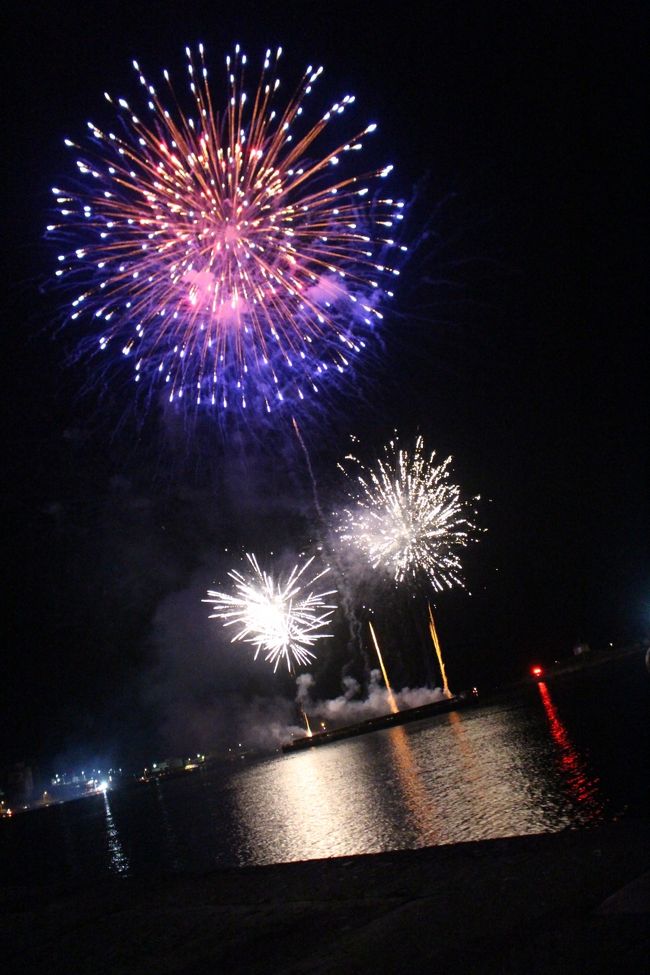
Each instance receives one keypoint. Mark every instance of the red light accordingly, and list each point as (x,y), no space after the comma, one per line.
(536,671)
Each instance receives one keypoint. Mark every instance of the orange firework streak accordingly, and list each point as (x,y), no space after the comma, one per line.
(391,696)
(309,731)
(436,643)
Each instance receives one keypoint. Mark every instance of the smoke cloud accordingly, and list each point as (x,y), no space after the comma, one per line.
(348,708)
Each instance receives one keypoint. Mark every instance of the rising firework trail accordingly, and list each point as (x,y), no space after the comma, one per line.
(391,696)
(232,253)
(436,643)
(281,617)
(405,517)
(307,725)
(310,469)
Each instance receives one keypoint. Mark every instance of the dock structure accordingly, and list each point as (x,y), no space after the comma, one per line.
(454,703)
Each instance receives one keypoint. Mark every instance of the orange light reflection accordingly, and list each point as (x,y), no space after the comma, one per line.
(415,794)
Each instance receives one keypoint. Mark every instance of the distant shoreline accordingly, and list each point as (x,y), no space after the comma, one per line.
(569,666)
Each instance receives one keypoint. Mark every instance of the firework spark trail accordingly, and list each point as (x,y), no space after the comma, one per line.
(310,469)
(275,615)
(406,517)
(307,725)
(436,643)
(222,252)
(355,643)
(391,697)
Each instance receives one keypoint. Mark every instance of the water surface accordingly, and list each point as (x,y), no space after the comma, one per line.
(569,753)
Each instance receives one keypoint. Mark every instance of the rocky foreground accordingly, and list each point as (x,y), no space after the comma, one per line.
(561,903)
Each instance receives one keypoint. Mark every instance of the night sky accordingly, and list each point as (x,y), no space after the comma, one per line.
(516,343)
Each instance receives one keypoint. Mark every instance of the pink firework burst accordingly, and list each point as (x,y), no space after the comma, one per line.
(232,255)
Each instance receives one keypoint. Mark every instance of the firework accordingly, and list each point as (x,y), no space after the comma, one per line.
(233,256)
(406,517)
(391,697)
(436,645)
(280,616)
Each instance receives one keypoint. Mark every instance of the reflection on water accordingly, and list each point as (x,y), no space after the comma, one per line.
(584,789)
(118,861)
(308,801)
(543,761)
(463,776)
(416,798)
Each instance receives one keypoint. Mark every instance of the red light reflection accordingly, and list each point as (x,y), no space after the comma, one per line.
(582,789)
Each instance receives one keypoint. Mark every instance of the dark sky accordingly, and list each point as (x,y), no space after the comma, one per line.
(518,344)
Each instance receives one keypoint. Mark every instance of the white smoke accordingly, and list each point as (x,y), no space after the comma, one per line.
(265,724)
(347,708)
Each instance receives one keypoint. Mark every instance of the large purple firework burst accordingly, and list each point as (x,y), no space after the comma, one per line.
(233,256)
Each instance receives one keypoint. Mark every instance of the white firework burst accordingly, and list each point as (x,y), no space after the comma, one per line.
(281,617)
(406,517)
